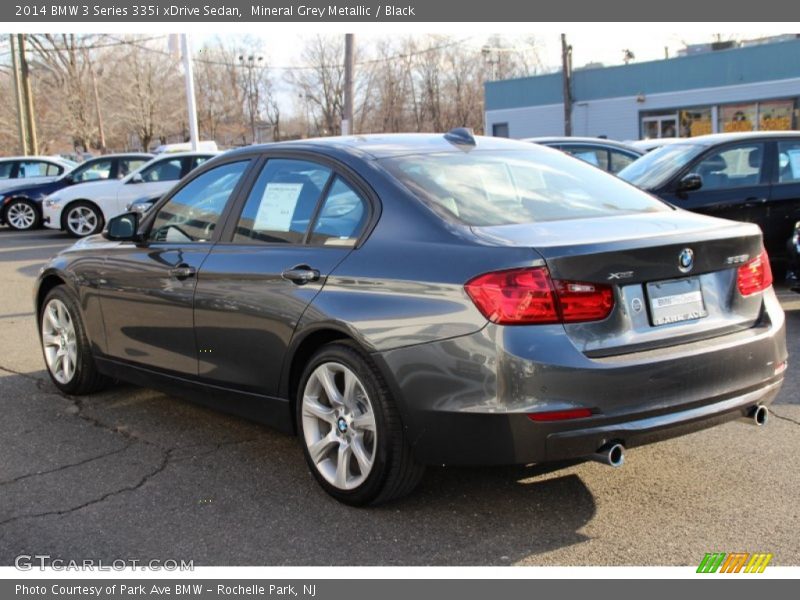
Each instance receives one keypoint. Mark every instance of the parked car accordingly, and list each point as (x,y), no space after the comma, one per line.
(752,177)
(21,206)
(606,154)
(83,210)
(18,170)
(651,144)
(403,300)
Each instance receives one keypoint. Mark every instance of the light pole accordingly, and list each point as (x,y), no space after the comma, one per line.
(250,64)
(191,101)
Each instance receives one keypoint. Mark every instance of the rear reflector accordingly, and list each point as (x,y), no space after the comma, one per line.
(755,275)
(528,296)
(560,415)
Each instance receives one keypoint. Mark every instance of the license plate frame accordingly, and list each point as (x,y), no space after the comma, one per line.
(675,301)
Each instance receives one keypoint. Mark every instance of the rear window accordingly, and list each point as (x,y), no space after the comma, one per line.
(503,188)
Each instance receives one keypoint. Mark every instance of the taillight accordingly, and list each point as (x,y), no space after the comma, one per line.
(755,275)
(529,295)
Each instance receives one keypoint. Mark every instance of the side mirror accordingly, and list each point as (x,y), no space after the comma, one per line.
(137,178)
(690,182)
(123,228)
(69,178)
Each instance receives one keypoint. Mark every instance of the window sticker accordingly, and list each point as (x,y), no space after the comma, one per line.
(794,160)
(277,207)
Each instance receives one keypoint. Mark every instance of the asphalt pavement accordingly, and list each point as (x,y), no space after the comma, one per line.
(132,473)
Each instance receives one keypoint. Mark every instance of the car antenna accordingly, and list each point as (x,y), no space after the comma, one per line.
(461,136)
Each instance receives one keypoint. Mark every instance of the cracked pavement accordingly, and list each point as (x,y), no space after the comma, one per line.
(132,473)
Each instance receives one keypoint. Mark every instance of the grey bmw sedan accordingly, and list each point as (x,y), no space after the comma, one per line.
(408,300)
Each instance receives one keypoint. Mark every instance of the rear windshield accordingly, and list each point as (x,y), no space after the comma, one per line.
(506,187)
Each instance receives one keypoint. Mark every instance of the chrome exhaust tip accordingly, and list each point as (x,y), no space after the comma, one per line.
(612,455)
(758,415)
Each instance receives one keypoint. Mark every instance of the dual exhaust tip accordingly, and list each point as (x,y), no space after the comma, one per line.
(613,454)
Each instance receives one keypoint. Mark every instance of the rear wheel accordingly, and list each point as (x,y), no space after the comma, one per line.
(82,219)
(352,436)
(65,346)
(22,215)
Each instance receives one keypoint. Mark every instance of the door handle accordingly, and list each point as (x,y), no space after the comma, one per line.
(182,272)
(753,202)
(301,274)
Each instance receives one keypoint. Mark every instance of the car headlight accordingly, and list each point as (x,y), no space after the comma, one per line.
(51,201)
(140,207)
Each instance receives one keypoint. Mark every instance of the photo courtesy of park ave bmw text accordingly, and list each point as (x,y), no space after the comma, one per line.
(313,299)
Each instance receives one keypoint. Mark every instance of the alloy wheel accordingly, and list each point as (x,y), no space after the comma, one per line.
(339,425)
(58,340)
(21,215)
(81,220)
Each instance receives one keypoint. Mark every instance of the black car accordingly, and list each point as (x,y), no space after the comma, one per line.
(409,300)
(752,177)
(21,206)
(606,154)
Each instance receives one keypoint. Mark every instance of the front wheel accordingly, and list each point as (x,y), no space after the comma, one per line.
(22,215)
(352,436)
(82,219)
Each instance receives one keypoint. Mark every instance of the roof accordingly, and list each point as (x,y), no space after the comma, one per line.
(51,159)
(737,66)
(553,140)
(385,145)
(721,138)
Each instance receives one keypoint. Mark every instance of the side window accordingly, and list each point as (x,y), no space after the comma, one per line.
(789,162)
(619,160)
(92,172)
(52,170)
(5,169)
(594,156)
(197,161)
(733,167)
(282,202)
(163,170)
(191,215)
(341,217)
(126,166)
(31,168)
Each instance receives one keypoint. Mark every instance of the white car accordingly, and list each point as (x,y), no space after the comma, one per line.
(18,170)
(84,209)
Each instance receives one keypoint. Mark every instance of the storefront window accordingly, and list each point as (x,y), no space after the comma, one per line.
(775,115)
(737,117)
(695,121)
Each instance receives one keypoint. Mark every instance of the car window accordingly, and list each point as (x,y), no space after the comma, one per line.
(163,170)
(52,170)
(594,156)
(789,162)
(282,202)
(659,166)
(483,188)
(732,167)
(126,166)
(5,169)
(198,160)
(94,171)
(620,160)
(32,168)
(341,217)
(192,214)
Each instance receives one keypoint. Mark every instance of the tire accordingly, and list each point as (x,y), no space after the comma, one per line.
(82,218)
(61,332)
(22,215)
(382,456)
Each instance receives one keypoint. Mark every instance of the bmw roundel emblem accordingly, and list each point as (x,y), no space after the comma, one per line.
(686,260)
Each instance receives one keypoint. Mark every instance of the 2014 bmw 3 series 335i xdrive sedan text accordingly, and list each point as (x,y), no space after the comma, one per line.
(409,300)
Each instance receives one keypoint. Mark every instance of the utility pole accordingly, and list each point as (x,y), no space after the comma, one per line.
(100,129)
(347,119)
(566,70)
(22,125)
(27,97)
(191,101)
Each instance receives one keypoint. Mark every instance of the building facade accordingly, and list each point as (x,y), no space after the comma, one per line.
(740,89)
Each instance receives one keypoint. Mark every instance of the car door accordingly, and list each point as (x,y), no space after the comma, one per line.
(157,178)
(735,183)
(784,200)
(255,285)
(147,288)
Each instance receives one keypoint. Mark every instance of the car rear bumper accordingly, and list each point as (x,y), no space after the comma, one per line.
(466,400)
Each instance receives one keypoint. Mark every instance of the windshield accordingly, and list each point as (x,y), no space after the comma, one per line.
(655,168)
(506,187)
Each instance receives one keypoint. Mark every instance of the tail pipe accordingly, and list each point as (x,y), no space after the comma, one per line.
(757,415)
(612,455)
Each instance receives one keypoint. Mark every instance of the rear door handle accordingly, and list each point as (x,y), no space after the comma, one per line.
(301,274)
(753,202)
(182,272)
